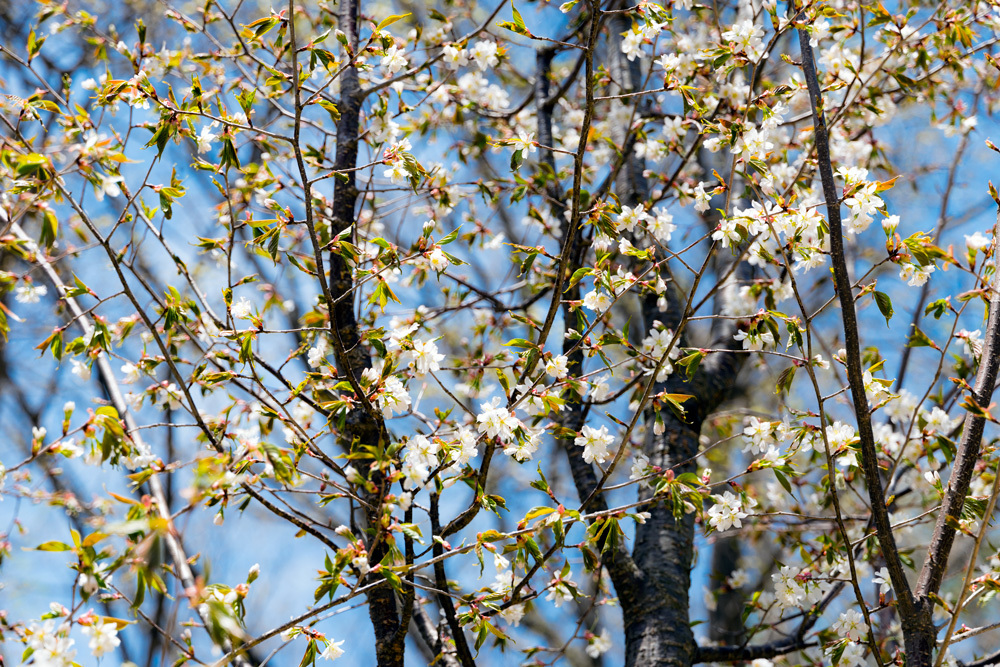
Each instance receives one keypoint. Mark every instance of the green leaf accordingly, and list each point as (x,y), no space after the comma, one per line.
(449,238)
(245,98)
(785,380)
(389,20)
(260,27)
(838,652)
(108,411)
(536,512)
(674,403)
(412,530)
(884,305)
(579,275)
(606,534)
(783,481)
(331,109)
(516,160)
(517,25)
(50,228)
(691,362)
(938,308)
(504,382)
(919,339)
(510,25)
(79,288)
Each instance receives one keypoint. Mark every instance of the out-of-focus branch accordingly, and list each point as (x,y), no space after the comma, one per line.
(918,310)
(429,640)
(989,661)
(181,566)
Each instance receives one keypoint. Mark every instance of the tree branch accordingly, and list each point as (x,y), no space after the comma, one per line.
(748,653)
(842,282)
(967,453)
(462,651)
(988,661)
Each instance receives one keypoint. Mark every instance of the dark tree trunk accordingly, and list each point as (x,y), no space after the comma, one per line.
(657,629)
(364,425)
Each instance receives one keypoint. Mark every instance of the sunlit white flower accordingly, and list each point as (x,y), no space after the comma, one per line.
(595,443)
(455,56)
(80,370)
(484,52)
(522,449)
(853,655)
(727,512)
(393,60)
(599,645)
(50,648)
(467,446)
(788,592)
(561,589)
(333,650)
(206,137)
(524,142)
(107,186)
(438,260)
(915,276)
(361,563)
(820,31)
(241,309)
(393,397)
(702,198)
(746,37)
(423,357)
(599,389)
(632,44)
(497,421)
(755,339)
(318,352)
(753,145)
(29,292)
(397,173)
(103,637)
(131,372)
(639,467)
(513,614)
(738,579)
(728,232)
(759,434)
(851,624)
(884,582)
(972,342)
(557,367)
(863,204)
(661,226)
(631,216)
(977,241)
(597,300)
